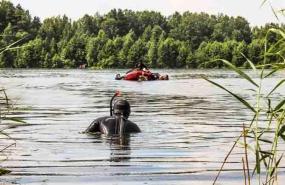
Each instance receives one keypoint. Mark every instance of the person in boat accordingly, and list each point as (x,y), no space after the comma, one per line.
(141,66)
(117,123)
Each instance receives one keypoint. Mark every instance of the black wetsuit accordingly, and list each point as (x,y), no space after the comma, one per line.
(110,125)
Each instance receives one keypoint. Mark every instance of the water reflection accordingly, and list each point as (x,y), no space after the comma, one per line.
(120,149)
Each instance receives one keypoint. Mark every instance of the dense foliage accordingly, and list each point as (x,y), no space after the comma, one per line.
(122,38)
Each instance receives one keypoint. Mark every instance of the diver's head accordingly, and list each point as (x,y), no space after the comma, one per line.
(122,107)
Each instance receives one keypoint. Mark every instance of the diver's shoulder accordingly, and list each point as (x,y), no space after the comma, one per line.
(133,127)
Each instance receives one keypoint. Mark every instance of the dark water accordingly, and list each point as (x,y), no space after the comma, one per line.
(187,126)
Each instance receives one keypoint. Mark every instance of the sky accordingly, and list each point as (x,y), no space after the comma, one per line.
(74,9)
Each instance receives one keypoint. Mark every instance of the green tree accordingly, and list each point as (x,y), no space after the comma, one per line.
(174,24)
(183,52)
(30,56)
(157,34)
(55,27)
(152,55)
(93,47)
(256,51)
(57,61)
(75,51)
(242,30)
(241,49)
(129,41)
(150,18)
(147,34)
(194,28)
(137,53)
(105,54)
(168,53)
(87,25)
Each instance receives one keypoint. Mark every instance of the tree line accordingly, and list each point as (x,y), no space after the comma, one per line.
(121,38)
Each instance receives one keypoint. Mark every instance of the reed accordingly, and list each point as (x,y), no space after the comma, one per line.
(267,128)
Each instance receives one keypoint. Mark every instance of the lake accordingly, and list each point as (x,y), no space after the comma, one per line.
(188,126)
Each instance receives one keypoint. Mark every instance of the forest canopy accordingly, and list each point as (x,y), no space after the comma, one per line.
(121,38)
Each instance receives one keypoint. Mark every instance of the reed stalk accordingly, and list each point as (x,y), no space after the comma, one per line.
(246,155)
(275,116)
(244,171)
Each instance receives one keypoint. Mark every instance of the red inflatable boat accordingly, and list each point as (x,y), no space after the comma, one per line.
(140,75)
(134,75)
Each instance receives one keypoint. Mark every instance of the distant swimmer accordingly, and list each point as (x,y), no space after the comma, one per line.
(117,123)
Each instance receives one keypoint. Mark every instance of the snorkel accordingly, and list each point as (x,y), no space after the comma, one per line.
(119,115)
(117,93)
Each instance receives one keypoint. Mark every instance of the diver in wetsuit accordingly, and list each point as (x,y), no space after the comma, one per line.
(117,123)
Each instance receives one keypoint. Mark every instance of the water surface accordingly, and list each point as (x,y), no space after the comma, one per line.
(187,124)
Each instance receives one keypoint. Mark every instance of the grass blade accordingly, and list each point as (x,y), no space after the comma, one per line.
(264,140)
(281,131)
(5,97)
(263,2)
(4,171)
(271,73)
(276,166)
(250,63)
(274,12)
(7,147)
(15,120)
(265,152)
(245,151)
(237,70)
(283,137)
(277,31)
(279,105)
(14,43)
(226,158)
(257,158)
(263,159)
(280,83)
(272,49)
(244,172)
(234,95)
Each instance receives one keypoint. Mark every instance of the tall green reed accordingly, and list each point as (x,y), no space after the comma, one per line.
(267,128)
